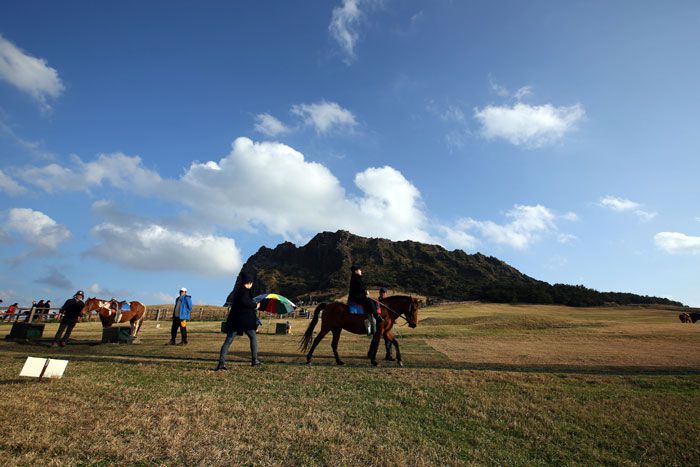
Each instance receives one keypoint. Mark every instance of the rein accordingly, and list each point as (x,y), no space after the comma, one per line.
(399,315)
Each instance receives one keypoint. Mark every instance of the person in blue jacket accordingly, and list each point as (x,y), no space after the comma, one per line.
(181,313)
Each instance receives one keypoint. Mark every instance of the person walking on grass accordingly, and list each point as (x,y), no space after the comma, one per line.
(71,311)
(181,313)
(242,318)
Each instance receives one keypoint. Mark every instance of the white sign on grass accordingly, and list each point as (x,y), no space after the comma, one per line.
(43,368)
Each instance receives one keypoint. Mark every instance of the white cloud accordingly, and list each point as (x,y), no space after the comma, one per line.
(9,186)
(677,243)
(523,92)
(96,290)
(566,238)
(345,22)
(298,195)
(36,228)
(35,148)
(456,238)
(527,125)
(325,116)
(162,297)
(120,170)
(271,185)
(155,248)
(29,74)
(623,205)
(645,215)
(502,91)
(527,225)
(618,204)
(269,125)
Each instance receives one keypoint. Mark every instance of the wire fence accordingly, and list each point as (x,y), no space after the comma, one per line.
(208,313)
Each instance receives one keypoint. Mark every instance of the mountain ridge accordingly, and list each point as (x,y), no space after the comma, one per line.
(321,269)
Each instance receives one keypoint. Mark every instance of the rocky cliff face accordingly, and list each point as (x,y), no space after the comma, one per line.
(322,266)
(321,269)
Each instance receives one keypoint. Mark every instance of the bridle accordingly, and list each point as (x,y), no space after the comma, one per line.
(399,315)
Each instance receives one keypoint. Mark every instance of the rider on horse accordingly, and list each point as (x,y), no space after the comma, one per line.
(358,293)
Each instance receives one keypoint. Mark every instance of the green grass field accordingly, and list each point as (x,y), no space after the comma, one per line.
(483,384)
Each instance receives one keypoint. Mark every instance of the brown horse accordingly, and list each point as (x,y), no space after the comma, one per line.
(337,317)
(109,316)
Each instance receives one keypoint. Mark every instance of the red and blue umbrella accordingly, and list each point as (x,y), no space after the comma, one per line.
(275,304)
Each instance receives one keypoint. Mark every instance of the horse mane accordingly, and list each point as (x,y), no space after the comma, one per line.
(399,297)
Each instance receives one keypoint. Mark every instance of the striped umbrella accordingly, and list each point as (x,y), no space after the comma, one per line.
(275,304)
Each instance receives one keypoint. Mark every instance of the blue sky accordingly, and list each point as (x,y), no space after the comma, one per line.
(146,146)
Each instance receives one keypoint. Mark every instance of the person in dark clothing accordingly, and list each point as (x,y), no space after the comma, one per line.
(358,293)
(71,310)
(39,310)
(242,318)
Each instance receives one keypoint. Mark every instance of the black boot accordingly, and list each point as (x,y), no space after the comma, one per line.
(256,362)
(220,367)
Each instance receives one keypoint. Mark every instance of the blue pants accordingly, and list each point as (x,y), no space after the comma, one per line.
(229,339)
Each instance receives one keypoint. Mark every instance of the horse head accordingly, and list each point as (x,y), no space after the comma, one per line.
(96,304)
(412,313)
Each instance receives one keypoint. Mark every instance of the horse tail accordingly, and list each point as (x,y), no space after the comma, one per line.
(308,336)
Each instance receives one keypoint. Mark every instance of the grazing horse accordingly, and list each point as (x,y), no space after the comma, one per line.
(337,317)
(684,317)
(109,316)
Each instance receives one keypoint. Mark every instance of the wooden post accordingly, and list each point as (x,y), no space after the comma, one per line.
(158,318)
(31,313)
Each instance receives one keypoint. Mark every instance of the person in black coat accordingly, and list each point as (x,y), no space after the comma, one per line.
(358,293)
(71,310)
(242,319)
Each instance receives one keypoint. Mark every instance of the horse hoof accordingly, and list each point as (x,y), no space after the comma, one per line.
(308,361)
(389,358)
(340,362)
(374,363)
(400,363)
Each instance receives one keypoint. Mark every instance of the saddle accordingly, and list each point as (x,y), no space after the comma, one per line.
(121,306)
(356,309)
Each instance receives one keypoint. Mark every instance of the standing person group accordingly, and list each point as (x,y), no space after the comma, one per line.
(71,312)
(181,313)
(242,319)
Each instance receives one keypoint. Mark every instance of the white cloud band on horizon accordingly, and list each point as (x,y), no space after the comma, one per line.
(297,198)
(29,74)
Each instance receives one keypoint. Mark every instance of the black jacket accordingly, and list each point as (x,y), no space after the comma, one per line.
(242,316)
(71,309)
(358,291)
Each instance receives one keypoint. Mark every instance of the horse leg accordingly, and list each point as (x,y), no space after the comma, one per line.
(334,345)
(318,339)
